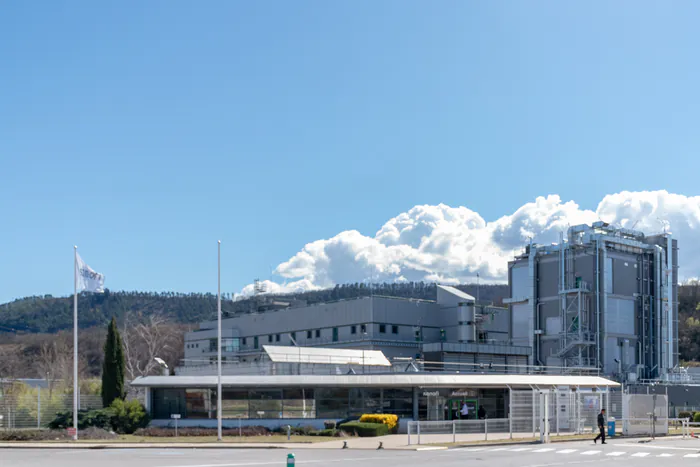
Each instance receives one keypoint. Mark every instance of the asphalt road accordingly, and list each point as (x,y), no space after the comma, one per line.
(620,453)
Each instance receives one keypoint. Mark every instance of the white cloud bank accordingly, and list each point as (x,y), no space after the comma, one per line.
(452,244)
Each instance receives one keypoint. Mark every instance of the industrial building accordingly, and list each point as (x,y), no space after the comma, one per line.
(451,329)
(601,301)
(604,297)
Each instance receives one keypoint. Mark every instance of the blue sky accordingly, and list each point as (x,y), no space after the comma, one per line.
(144,132)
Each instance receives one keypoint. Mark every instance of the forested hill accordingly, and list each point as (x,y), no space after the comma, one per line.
(49,314)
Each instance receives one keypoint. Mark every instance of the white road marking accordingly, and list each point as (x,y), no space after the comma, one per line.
(245,464)
(567,451)
(692,455)
(499,449)
(520,449)
(640,454)
(651,446)
(665,454)
(543,450)
(590,453)
(616,453)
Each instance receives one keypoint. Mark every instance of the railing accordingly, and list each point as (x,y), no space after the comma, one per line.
(442,432)
(399,365)
(477,429)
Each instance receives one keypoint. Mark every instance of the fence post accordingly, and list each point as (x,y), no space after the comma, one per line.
(419,433)
(486,429)
(38,407)
(533,413)
(454,431)
(409,433)
(510,412)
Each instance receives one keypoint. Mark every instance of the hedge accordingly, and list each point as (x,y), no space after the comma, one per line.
(696,417)
(124,417)
(389,420)
(365,430)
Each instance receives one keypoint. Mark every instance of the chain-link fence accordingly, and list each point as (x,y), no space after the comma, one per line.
(24,408)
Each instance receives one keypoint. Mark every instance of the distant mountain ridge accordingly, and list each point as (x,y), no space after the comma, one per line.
(50,314)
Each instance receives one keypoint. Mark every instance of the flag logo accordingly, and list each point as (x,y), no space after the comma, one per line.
(88,279)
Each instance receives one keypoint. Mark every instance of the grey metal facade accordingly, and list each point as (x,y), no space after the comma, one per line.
(398,327)
(603,298)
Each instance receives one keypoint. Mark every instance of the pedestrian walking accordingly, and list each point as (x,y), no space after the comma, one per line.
(601,426)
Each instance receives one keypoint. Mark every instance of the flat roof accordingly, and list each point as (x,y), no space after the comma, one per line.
(324,355)
(428,380)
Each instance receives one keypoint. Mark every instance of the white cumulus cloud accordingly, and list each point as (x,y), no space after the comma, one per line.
(452,244)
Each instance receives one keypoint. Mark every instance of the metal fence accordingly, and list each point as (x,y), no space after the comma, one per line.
(36,407)
(570,412)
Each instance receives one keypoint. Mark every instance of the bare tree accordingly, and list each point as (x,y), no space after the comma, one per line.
(146,338)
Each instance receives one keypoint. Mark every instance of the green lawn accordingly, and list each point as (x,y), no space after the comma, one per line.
(273,439)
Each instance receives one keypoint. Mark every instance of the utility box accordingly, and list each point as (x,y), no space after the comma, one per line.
(611,427)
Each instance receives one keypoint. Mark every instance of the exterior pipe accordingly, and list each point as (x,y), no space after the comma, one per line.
(532,294)
(538,338)
(670,314)
(655,340)
(598,303)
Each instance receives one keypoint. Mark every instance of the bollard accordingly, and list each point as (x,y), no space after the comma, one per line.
(290,460)
(289,432)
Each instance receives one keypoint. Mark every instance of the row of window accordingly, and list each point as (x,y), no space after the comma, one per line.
(231,345)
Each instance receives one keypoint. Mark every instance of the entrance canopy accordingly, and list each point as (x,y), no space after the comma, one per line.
(401,380)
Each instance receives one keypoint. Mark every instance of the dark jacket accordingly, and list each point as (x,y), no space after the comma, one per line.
(601,420)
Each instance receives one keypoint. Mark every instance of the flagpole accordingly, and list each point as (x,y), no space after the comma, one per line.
(218,314)
(75,342)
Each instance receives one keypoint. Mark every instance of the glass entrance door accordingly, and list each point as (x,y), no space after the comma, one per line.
(455,408)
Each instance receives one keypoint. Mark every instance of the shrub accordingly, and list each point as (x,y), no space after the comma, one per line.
(696,417)
(86,418)
(685,414)
(128,416)
(387,419)
(365,430)
(329,424)
(163,432)
(34,435)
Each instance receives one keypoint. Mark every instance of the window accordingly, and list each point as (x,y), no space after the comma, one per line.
(244,342)
(230,345)
(277,338)
(382,328)
(308,334)
(212,345)
(394,329)
(318,333)
(255,342)
(197,345)
(269,338)
(335,334)
(353,330)
(363,328)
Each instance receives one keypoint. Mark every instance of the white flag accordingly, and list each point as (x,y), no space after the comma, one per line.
(87,278)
